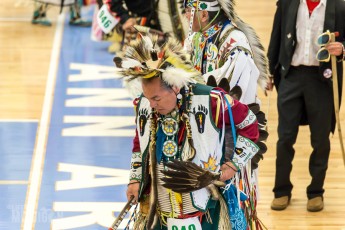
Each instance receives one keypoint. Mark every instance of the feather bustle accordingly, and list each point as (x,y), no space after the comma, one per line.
(259,54)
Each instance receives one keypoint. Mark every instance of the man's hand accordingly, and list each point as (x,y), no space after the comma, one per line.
(228,171)
(133,190)
(128,25)
(270,84)
(335,48)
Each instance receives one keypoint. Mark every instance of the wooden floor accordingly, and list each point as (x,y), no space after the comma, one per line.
(24,64)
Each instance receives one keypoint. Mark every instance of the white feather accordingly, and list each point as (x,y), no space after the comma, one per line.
(168,21)
(259,54)
(164,16)
(147,43)
(118,73)
(129,63)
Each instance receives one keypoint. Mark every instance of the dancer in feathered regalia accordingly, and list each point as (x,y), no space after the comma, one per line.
(182,164)
(41,6)
(163,17)
(228,53)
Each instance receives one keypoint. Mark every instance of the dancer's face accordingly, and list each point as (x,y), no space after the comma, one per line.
(200,19)
(162,98)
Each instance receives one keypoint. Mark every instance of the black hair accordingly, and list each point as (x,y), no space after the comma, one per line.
(221,16)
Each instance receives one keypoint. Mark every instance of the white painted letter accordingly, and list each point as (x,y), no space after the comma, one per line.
(83,176)
(99,97)
(92,72)
(100,126)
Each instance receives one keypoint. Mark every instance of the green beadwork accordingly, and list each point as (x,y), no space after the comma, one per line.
(203,6)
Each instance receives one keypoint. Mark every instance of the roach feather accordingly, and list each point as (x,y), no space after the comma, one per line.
(254,107)
(211,81)
(224,84)
(236,92)
(262,146)
(263,135)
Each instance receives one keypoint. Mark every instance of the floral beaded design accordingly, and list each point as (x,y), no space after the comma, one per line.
(169,148)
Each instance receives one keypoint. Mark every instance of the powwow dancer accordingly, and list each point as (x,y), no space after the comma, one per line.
(181,158)
(41,6)
(162,17)
(228,53)
(225,47)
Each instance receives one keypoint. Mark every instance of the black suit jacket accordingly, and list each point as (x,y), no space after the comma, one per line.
(283,38)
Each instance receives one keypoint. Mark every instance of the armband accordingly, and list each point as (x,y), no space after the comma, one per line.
(136,166)
(245,149)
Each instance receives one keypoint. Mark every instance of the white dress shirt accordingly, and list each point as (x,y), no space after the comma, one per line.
(308,28)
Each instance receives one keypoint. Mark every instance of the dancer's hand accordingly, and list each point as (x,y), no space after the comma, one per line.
(128,25)
(228,171)
(133,190)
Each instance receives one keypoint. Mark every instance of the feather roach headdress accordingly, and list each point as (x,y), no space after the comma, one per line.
(144,59)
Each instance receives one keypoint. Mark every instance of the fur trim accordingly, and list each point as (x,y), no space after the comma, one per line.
(224,219)
(134,87)
(140,221)
(177,77)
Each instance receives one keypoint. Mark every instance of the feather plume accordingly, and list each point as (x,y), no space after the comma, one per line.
(259,54)
(140,221)
(131,63)
(148,43)
(224,220)
(171,18)
(228,7)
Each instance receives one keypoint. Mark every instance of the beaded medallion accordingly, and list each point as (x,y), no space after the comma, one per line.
(169,148)
(169,126)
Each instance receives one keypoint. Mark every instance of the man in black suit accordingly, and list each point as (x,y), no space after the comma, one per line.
(304,89)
